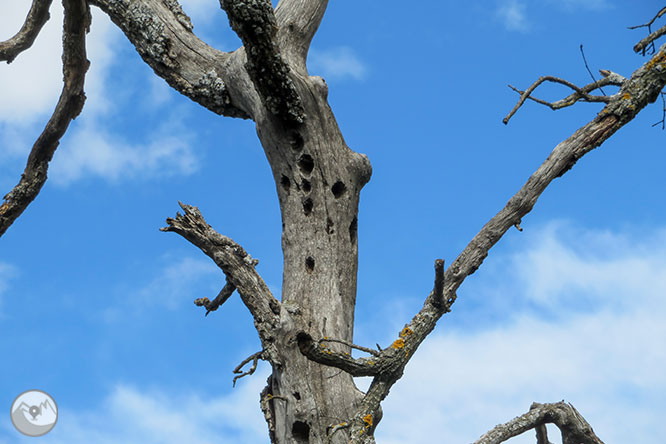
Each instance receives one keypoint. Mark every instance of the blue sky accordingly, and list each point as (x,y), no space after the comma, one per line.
(96,303)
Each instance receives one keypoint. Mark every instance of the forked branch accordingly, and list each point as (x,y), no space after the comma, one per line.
(574,428)
(34,22)
(648,42)
(239,268)
(610,78)
(75,64)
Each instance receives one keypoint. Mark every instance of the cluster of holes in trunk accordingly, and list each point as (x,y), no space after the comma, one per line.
(307,206)
(309,264)
(306,164)
(300,430)
(338,189)
(353,228)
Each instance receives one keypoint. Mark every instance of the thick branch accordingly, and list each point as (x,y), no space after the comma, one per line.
(574,428)
(162,35)
(298,21)
(238,266)
(34,22)
(255,24)
(70,104)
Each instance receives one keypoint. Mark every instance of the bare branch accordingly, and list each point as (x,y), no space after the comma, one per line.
(255,24)
(647,41)
(255,359)
(648,24)
(580,93)
(350,345)
(34,22)
(238,266)
(323,355)
(221,298)
(162,34)
(587,67)
(298,21)
(646,46)
(70,104)
(574,428)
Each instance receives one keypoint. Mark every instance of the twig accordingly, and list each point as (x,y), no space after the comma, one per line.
(335,428)
(349,344)
(646,46)
(588,68)
(221,298)
(255,359)
(580,93)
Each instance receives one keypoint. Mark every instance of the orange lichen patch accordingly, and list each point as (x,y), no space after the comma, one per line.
(406,332)
(626,96)
(371,362)
(399,343)
(4,207)
(367,419)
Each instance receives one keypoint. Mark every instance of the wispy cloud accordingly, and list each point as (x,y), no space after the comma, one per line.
(130,414)
(513,14)
(336,63)
(595,339)
(95,151)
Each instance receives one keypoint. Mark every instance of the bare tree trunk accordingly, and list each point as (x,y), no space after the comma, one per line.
(318,181)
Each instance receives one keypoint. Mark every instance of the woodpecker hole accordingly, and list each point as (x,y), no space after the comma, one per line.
(286,183)
(338,189)
(306,185)
(300,430)
(309,264)
(353,228)
(329,226)
(296,141)
(306,164)
(297,396)
(307,206)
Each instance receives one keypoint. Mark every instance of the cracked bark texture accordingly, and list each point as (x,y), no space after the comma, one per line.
(307,335)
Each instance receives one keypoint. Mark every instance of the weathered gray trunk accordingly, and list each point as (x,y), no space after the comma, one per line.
(318,180)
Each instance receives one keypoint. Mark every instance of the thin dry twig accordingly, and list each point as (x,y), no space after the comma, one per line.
(221,298)
(255,359)
(349,344)
(582,53)
(579,93)
(646,46)
(34,22)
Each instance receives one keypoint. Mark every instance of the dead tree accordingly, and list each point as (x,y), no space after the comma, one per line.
(307,335)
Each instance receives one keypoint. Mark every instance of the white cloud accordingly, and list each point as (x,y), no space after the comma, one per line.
(90,147)
(605,354)
(336,63)
(93,151)
(512,13)
(32,82)
(137,415)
